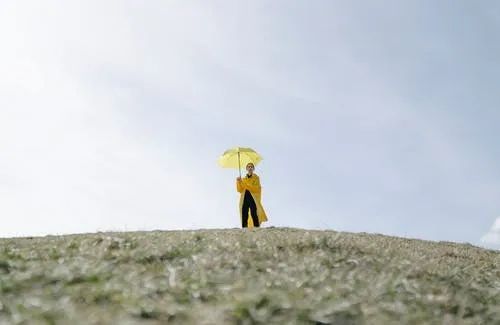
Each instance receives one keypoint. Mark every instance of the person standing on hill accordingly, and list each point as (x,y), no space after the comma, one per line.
(250,199)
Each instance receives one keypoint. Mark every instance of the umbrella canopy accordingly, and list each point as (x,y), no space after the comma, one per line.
(239,156)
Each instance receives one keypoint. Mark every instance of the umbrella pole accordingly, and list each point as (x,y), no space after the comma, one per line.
(239,163)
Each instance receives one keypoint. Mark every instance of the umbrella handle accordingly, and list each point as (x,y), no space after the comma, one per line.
(239,163)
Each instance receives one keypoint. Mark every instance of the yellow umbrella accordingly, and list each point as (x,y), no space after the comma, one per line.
(238,156)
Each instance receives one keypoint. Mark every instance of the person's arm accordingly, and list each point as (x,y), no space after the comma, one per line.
(239,185)
(254,188)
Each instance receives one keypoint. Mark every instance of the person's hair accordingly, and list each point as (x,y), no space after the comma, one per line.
(250,164)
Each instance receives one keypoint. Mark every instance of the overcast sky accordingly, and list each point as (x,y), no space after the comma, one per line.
(370,117)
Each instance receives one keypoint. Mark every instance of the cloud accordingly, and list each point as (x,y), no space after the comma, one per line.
(71,163)
(492,237)
(75,158)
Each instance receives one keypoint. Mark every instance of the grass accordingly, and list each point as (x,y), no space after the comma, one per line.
(261,276)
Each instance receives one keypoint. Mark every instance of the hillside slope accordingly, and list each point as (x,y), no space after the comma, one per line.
(268,275)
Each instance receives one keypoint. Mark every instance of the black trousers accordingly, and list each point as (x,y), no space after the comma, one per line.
(249,204)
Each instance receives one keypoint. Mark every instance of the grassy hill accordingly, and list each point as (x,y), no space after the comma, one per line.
(268,275)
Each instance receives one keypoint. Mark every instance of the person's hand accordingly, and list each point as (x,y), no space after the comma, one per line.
(238,179)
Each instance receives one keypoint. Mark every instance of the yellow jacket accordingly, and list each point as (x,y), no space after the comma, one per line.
(253,186)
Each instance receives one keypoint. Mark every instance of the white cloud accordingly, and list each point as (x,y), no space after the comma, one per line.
(72,157)
(70,164)
(492,237)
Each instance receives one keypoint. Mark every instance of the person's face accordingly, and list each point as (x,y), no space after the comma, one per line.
(250,169)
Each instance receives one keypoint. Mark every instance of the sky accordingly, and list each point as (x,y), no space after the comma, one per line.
(371,117)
